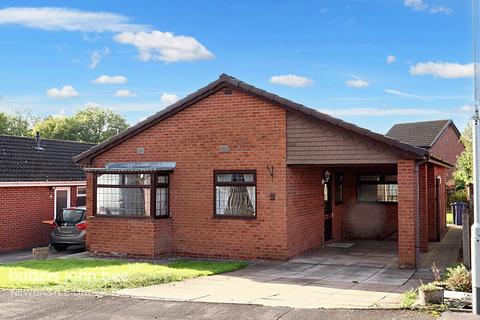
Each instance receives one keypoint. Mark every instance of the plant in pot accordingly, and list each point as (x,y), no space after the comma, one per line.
(437,277)
(430,293)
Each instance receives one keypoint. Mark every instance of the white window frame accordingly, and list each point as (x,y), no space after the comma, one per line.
(55,199)
(82,195)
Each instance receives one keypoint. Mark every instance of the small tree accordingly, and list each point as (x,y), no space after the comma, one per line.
(464,167)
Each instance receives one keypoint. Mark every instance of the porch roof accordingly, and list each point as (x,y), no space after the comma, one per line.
(124,167)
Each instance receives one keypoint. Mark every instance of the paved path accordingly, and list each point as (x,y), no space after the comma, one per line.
(21,255)
(90,307)
(363,276)
(444,253)
(291,284)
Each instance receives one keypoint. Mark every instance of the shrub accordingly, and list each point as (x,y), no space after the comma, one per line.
(458,195)
(458,278)
(429,287)
(408,299)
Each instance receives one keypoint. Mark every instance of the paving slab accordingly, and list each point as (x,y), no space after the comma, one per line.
(363,276)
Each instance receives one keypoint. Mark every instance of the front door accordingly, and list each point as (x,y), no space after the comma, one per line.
(327,206)
(62,199)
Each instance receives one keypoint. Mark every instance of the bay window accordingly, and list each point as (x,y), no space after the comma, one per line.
(235,194)
(132,194)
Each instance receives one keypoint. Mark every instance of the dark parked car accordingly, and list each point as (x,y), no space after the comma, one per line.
(69,228)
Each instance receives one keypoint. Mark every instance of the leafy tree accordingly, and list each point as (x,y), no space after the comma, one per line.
(92,124)
(97,124)
(464,167)
(17,124)
(56,127)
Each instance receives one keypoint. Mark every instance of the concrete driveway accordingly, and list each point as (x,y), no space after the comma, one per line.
(23,255)
(363,276)
(74,306)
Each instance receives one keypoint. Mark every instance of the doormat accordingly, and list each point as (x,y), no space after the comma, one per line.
(344,245)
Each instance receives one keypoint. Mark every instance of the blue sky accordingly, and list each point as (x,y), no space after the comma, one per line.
(370,62)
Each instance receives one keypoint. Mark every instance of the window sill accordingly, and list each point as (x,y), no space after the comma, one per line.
(112,216)
(215,216)
(379,202)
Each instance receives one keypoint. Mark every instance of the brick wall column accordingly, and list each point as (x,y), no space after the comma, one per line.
(423,184)
(406,213)
(431,205)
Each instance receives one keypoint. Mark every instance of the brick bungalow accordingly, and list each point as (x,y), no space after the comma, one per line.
(37,179)
(440,137)
(234,171)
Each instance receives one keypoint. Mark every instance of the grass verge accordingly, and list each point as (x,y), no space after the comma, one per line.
(102,275)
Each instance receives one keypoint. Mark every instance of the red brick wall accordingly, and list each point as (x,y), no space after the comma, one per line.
(254,130)
(406,213)
(355,220)
(22,210)
(73,196)
(129,236)
(423,206)
(442,197)
(448,147)
(305,212)
(436,229)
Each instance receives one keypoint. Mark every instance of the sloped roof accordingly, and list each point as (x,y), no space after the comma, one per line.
(228,81)
(21,161)
(421,134)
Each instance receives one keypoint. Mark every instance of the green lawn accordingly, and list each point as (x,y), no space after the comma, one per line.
(97,275)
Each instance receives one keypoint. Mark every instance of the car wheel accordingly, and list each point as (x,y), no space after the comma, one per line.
(60,247)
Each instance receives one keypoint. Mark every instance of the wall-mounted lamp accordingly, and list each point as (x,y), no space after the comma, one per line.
(326,177)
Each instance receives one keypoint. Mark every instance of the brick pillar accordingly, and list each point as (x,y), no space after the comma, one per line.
(89,204)
(406,213)
(432,217)
(423,184)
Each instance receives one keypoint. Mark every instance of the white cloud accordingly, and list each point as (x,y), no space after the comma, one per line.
(124,94)
(97,56)
(417,5)
(50,18)
(64,92)
(103,79)
(404,94)
(441,9)
(151,44)
(357,83)
(169,98)
(379,112)
(165,46)
(468,108)
(391,59)
(292,80)
(420,5)
(443,69)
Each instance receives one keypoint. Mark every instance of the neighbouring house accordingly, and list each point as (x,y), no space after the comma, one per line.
(237,172)
(440,137)
(38,177)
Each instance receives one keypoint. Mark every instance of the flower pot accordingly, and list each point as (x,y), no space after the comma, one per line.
(40,253)
(430,296)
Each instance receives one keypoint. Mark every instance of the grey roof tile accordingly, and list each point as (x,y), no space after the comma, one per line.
(421,134)
(20,161)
